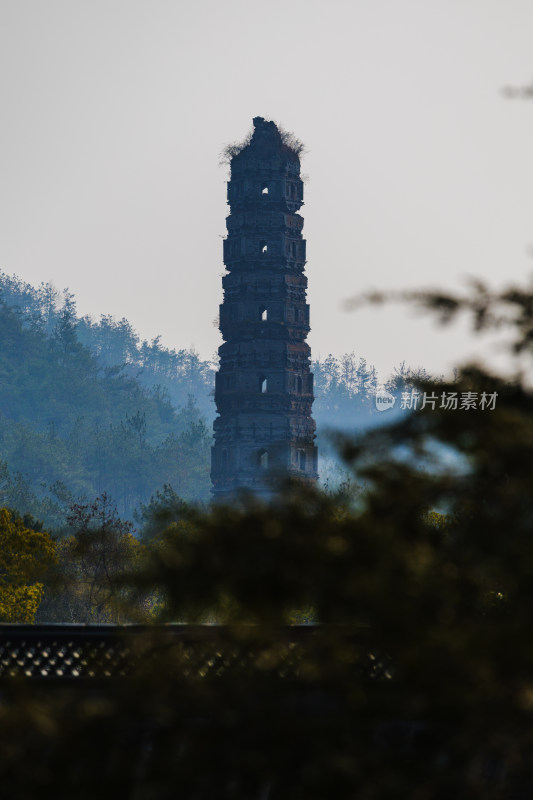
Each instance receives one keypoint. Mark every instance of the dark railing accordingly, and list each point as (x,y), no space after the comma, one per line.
(64,651)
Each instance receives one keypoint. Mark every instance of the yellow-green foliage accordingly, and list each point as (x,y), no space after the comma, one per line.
(25,555)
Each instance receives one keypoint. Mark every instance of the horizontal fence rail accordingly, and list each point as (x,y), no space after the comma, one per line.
(68,652)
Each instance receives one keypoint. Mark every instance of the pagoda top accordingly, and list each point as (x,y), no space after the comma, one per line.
(268,140)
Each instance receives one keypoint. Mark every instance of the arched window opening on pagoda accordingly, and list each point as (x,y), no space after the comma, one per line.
(301,459)
(298,384)
(264,247)
(262,458)
(264,313)
(263,384)
(264,189)
(296,314)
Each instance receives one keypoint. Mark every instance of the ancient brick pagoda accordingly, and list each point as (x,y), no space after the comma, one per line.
(264,387)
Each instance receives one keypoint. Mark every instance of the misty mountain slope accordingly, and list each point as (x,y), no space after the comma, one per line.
(115,343)
(67,422)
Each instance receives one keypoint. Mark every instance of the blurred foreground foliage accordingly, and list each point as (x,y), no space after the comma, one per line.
(417,680)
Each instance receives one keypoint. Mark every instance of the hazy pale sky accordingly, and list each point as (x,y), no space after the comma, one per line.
(114,112)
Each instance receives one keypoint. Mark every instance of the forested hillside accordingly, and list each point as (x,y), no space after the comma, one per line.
(114,343)
(88,407)
(72,425)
